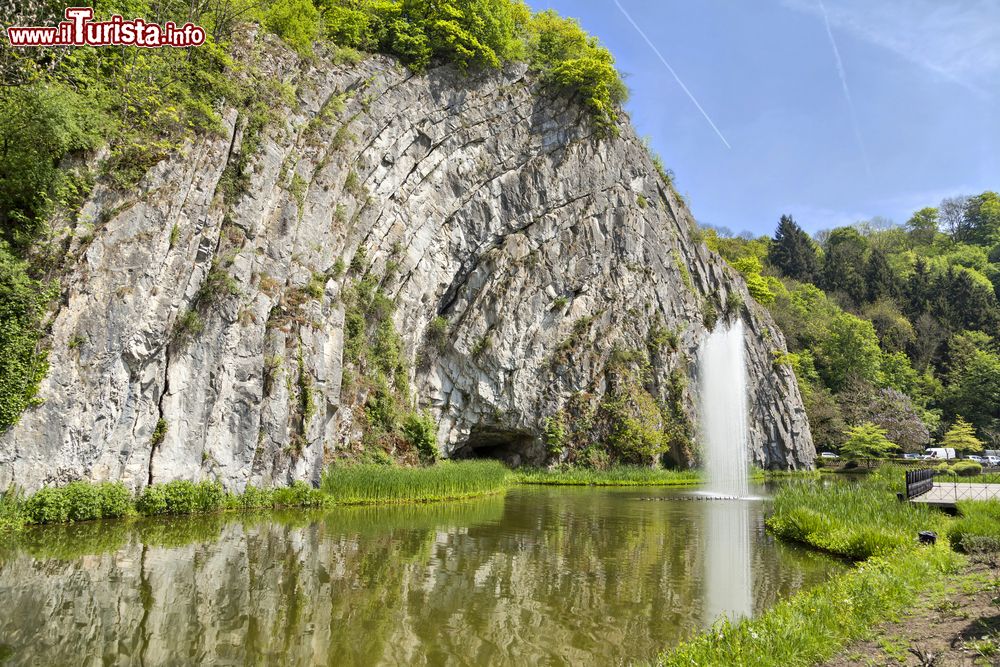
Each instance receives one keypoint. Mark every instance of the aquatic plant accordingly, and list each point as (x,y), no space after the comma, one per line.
(613,476)
(78,501)
(365,484)
(853,520)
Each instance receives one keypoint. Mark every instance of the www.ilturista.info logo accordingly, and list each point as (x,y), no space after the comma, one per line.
(79,30)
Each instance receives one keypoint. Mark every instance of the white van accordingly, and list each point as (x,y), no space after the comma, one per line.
(943,453)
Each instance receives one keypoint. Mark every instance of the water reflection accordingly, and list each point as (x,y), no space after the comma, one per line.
(729,589)
(543,576)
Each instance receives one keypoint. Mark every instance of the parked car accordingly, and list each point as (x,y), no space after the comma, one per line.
(828,455)
(977,459)
(991,460)
(944,453)
(912,456)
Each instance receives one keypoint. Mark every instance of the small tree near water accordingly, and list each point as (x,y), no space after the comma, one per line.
(867,441)
(962,437)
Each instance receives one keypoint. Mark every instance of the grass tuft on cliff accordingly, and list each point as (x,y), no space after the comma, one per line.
(448,480)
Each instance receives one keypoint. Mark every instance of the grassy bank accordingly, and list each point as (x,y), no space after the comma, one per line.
(448,480)
(978,527)
(84,501)
(813,625)
(613,476)
(852,520)
(865,522)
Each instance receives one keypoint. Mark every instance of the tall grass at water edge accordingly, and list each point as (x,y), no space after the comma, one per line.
(448,480)
(852,520)
(86,501)
(613,476)
(863,521)
(814,625)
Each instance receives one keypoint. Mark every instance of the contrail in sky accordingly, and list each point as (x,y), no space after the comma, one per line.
(672,72)
(847,90)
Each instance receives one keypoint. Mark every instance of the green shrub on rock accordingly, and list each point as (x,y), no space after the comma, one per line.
(421,431)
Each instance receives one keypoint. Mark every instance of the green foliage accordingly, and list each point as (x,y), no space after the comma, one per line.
(78,501)
(618,475)
(437,332)
(555,432)
(810,627)
(967,468)
(962,437)
(709,313)
(792,252)
(634,425)
(485,33)
(571,60)
(750,268)
(978,527)
(867,441)
(188,325)
(159,432)
(217,285)
(853,520)
(421,430)
(23,363)
(12,514)
(849,351)
(359,485)
(297,22)
(39,125)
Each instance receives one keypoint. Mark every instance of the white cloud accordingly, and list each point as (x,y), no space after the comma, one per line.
(958,40)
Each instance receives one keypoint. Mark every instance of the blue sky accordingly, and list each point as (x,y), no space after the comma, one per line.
(923,77)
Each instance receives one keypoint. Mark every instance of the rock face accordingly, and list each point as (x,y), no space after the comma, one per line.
(202,335)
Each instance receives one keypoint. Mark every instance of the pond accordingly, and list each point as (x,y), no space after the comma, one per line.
(543,575)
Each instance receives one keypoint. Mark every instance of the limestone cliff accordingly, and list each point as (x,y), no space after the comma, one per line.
(202,329)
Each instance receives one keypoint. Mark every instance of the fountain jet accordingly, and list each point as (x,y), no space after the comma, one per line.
(723,411)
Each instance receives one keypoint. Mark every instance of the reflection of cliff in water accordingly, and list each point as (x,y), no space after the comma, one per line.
(580,576)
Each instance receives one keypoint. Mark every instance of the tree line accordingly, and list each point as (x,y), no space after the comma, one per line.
(891,329)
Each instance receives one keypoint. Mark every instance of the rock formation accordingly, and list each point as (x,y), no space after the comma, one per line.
(202,329)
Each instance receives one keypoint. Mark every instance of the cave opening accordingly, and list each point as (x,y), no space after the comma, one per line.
(515,448)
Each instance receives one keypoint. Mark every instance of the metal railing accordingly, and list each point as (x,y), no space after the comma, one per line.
(919,482)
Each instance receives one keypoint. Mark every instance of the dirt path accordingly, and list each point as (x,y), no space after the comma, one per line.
(957,626)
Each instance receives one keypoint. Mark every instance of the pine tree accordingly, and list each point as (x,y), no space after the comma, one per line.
(879,277)
(962,437)
(792,252)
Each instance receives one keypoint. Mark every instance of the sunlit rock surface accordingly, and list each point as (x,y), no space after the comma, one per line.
(478,198)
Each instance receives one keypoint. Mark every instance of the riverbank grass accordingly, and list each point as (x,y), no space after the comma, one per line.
(448,480)
(812,626)
(86,501)
(863,521)
(613,476)
(977,529)
(856,521)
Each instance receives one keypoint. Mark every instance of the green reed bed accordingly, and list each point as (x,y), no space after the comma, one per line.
(613,476)
(448,480)
(852,520)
